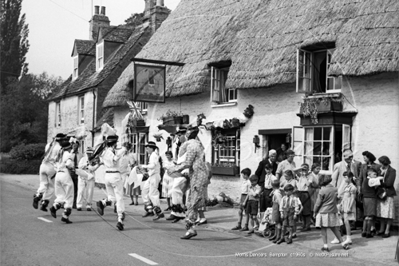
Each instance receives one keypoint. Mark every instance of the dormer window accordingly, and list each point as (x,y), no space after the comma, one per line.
(75,72)
(220,94)
(81,118)
(100,56)
(312,70)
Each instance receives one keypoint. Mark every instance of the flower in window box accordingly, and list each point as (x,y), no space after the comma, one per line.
(226,124)
(249,111)
(235,122)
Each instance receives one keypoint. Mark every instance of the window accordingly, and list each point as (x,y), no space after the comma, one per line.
(220,94)
(100,56)
(82,147)
(75,73)
(322,144)
(81,118)
(142,107)
(312,72)
(226,147)
(138,141)
(58,114)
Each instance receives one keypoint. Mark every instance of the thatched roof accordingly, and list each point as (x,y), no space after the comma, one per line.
(121,92)
(261,37)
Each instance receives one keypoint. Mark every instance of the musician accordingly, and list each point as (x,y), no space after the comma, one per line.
(110,157)
(86,179)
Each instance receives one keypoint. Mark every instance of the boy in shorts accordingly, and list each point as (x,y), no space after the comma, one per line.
(253,202)
(245,173)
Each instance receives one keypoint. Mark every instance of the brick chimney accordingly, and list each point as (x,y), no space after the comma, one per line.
(98,20)
(155,13)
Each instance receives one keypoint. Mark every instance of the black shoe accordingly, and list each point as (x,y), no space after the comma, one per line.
(36,200)
(178,219)
(294,236)
(171,218)
(369,235)
(167,209)
(100,208)
(88,209)
(79,209)
(157,217)
(281,240)
(148,214)
(43,208)
(189,235)
(53,212)
(119,225)
(237,227)
(325,249)
(386,235)
(66,220)
(132,203)
(380,233)
(289,240)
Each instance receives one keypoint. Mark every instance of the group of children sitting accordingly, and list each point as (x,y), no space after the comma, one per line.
(300,196)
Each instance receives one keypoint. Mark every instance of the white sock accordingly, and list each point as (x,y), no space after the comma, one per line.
(325,245)
(348,239)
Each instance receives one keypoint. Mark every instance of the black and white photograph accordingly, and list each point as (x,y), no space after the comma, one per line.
(199,132)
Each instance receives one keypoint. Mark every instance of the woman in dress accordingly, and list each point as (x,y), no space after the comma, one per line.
(385,207)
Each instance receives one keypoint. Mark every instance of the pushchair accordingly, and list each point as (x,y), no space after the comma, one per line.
(266,225)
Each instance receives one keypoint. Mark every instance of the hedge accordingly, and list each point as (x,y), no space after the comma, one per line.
(28,152)
(13,166)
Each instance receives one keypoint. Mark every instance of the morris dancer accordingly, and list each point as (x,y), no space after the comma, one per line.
(113,180)
(86,180)
(198,179)
(63,182)
(150,192)
(47,173)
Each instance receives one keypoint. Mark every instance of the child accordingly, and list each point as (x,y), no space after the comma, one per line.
(289,211)
(245,173)
(369,203)
(348,204)
(326,212)
(265,223)
(314,186)
(303,184)
(266,193)
(253,202)
(287,179)
(298,202)
(276,218)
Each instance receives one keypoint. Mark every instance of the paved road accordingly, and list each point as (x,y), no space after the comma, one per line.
(32,237)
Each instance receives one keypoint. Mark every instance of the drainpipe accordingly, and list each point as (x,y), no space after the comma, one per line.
(94,115)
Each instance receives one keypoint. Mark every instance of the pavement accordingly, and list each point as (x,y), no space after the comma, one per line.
(371,251)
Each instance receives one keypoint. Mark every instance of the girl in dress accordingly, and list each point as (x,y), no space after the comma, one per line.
(348,204)
(326,212)
(303,192)
(314,186)
(167,180)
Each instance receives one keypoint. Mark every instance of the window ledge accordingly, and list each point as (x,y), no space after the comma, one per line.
(325,95)
(224,105)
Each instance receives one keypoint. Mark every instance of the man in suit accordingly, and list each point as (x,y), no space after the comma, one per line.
(346,165)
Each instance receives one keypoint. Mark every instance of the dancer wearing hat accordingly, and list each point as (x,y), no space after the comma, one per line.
(63,182)
(150,192)
(198,175)
(47,173)
(113,179)
(86,180)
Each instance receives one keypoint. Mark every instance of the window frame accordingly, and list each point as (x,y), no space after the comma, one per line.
(142,107)
(303,67)
(81,109)
(100,55)
(58,114)
(219,93)
(75,72)
(230,155)
(138,141)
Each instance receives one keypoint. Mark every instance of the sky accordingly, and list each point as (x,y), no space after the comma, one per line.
(55,24)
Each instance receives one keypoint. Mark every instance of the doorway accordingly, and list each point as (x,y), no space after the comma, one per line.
(272,139)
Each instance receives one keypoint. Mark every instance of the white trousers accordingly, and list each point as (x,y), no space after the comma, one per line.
(179,187)
(85,192)
(64,189)
(46,186)
(150,192)
(114,186)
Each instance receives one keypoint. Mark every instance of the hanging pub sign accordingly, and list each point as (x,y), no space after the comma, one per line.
(149,83)
(150,80)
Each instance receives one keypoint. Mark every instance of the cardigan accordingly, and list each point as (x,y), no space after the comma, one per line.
(366,190)
(327,200)
(389,181)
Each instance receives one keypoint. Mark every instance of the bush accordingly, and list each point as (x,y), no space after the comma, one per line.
(12,166)
(28,152)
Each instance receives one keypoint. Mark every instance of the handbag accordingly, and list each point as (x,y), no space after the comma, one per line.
(382,193)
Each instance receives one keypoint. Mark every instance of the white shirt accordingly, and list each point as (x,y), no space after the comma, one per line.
(53,152)
(153,165)
(268,181)
(65,162)
(245,184)
(111,160)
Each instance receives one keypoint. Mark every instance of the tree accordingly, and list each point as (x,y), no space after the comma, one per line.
(13,43)
(24,112)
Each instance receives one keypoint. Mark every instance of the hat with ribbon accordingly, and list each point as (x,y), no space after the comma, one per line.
(89,150)
(112,139)
(60,136)
(151,144)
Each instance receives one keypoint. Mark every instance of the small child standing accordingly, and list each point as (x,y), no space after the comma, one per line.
(326,212)
(348,204)
(303,194)
(253,202)
(289,210)
(288,179)
(244,184)
(276,218)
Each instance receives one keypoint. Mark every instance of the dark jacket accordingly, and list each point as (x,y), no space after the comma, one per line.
(366,190)
(327,200)
(389,182)
(261,173)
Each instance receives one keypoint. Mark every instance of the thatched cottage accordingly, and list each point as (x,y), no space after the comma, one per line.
(321,75)
(76,106)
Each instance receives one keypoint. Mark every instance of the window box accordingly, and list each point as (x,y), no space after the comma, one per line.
(140,123)
(168,121)
(186,119)
(178,120)
(313,105)
(222,170)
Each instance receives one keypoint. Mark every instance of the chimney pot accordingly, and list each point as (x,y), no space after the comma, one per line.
(160,3)
(103,10)
(96,10)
